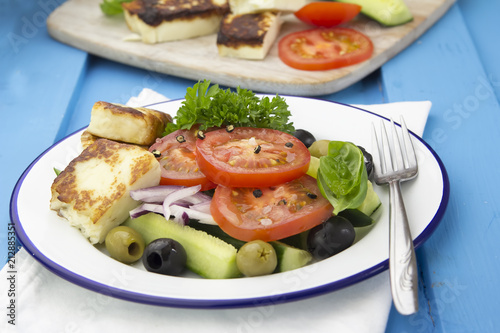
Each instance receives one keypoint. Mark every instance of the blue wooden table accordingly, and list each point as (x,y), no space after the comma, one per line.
(47,90)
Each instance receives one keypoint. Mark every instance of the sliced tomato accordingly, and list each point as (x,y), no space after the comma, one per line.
(324,48)
(251,157)
(270,213)
(327,14)
(178,161)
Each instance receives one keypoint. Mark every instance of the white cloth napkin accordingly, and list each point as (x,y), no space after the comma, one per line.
(44,302)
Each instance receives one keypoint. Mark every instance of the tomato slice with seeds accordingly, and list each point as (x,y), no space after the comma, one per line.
(327,14)
(324,48)
(176,154)
(270,213)
(251,157)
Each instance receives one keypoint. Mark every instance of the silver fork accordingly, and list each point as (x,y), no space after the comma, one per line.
(398,162)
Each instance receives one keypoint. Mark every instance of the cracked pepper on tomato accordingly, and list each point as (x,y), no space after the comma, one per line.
(263,191)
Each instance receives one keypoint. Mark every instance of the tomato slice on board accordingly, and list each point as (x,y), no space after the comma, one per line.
(324,48)
(327,14)
(178,161)
(270,213)
(251,157)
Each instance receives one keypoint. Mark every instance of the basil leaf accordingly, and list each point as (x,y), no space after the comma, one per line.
(342,176)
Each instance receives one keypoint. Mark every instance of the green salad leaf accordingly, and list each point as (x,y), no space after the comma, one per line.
(208,106)
(342,176)
(112,7)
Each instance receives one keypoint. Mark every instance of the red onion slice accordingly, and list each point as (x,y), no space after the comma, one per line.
(193,214)
(181,217)
(155,193)
(183,203)
(203,207)
(146,208)
(181,194)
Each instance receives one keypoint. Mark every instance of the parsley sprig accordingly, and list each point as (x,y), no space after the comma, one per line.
(210,106)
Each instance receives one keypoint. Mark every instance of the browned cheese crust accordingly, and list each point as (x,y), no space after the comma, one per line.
(154,12)
(67,187)
(139,126)
(243,30)
(122,110)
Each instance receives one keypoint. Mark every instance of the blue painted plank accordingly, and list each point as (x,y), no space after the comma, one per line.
(481,18)
(114,82)
(30,61)
(366,91)
(459,262)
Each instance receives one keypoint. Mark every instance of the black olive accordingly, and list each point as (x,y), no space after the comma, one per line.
(331,237)
(368,160)
(165,256)
(180,138)
(305,136)
(257,149)
(156,153)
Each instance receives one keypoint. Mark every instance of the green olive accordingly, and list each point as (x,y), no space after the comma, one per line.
(124,244)
(319,148)
(256,258)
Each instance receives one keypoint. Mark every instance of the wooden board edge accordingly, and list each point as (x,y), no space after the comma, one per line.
(258,85)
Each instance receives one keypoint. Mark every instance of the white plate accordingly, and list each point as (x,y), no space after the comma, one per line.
(63,250)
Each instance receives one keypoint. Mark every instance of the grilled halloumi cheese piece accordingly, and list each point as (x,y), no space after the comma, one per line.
(92,192)
(168,20)
(86,139)
(141,126)
(239,7)
(248,36)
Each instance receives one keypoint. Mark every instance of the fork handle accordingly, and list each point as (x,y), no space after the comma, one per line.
(402,260)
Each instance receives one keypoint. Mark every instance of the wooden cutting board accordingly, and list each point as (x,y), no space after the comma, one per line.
(81,24)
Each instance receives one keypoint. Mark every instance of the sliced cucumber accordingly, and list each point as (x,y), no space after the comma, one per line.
(216,231)
(290,257)
(207,255)
(386,12)
(357,218)
(313,167)
(298,241)
(363,215)
(372,201)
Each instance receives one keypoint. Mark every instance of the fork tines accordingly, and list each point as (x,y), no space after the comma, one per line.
(397,156)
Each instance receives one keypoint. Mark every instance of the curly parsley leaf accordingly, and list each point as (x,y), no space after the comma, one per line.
(210,106)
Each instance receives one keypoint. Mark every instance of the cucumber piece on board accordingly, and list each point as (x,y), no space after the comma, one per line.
(207,256)
(386,12)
